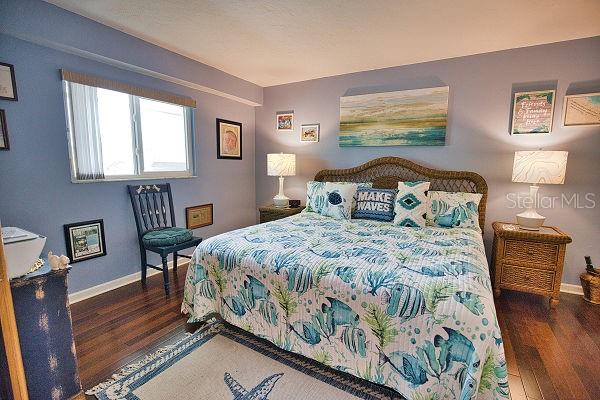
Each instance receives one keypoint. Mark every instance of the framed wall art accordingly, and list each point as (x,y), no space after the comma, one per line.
(3,131)
(85,240)
(229,139)
(581,110)
(285,121)
(199,216)
(533,112)
(8,83)
(401,118)
(310,132)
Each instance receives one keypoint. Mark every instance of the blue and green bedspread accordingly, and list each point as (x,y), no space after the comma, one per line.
(408,308)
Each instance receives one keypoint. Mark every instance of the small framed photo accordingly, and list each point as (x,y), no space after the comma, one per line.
(533,112)
(229,139)
(8,83)
(582,110)
(3,131)
(310,132)
(285,121)
(199,216)
(85,240)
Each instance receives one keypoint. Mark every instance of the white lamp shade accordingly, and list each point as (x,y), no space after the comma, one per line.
(280,164)
(537,167)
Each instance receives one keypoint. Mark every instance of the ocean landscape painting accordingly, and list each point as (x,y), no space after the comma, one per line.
(402,118)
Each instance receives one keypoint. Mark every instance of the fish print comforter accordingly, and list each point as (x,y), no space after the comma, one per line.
(408,308)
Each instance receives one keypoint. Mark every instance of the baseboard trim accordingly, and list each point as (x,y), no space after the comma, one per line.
(117,283)
(573,289)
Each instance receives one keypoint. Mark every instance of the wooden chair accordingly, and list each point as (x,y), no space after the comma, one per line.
(156,232)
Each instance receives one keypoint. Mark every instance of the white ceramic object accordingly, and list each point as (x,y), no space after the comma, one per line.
(22,249)
(58,262)
(530,219)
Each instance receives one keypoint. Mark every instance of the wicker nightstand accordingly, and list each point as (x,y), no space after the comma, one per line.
(529,261)
(272,213)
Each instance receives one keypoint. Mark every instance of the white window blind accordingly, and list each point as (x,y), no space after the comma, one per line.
(118,135)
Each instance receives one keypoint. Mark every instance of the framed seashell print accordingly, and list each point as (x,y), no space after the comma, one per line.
(285,121)
(310,132)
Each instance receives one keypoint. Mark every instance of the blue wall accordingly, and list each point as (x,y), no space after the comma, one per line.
(35,188)
(36,192)
(478,130)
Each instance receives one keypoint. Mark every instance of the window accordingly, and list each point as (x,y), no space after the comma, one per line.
(114,135)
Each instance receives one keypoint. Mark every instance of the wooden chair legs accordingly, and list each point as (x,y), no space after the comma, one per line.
(165,272)
(144,265)
(164,252)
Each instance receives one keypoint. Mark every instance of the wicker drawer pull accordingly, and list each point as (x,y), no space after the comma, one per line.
(535,278)
(531,252)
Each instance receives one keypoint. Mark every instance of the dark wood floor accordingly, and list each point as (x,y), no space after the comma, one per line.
(551,354)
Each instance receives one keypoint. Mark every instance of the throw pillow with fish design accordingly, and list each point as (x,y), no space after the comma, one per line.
(454,210)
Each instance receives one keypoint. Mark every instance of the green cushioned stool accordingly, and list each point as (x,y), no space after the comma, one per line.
(167,237)
(156,227)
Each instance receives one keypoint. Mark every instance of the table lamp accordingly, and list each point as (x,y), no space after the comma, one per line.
(280,164)
(537,167)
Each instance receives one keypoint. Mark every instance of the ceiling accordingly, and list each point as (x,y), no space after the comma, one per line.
(272,42)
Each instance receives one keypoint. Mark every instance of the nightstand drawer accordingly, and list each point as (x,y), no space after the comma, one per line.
(271,213)
(531,252)
(527,277)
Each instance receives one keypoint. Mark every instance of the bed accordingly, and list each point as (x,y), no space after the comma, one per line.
(408,308)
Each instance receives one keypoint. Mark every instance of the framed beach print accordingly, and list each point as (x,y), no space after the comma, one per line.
(582,109)
(85,240)
(285,121)
(416,117)
(310,133)
(229,139)
(8,84)
(199,216)
(533,112)
(3,131)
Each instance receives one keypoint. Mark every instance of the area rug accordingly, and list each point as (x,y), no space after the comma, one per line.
(222,362)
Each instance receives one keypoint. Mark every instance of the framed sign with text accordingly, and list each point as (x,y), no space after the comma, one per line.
(533,112)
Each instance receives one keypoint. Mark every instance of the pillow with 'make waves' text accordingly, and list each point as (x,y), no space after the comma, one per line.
(375,204)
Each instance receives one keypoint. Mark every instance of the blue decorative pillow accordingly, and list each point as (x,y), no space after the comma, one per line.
(338,200)
(411,204)
(375,204)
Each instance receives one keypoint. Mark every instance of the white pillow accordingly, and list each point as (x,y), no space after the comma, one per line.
(411,204)
(338,200)
(454,209)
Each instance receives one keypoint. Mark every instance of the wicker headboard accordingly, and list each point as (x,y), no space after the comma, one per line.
(386,172)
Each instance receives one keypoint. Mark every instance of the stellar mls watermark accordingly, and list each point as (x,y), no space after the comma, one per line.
(573,200)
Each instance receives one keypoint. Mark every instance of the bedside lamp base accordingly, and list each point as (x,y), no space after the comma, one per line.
(530,220)
(281,200)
